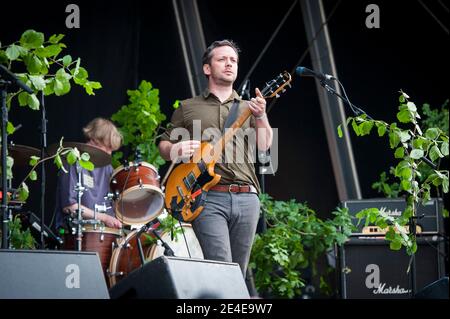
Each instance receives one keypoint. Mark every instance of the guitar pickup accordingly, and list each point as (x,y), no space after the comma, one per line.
(189,180)
(180,191)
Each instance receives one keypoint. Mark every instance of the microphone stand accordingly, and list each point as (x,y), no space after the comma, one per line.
(412,220)
(43,151)
(167,250)
(7,80)
(4,206)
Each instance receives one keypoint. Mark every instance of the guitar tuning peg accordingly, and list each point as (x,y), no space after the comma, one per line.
(289,85)
(283,90)
(277,95)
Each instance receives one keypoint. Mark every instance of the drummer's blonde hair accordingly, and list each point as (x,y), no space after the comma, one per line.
(103,131)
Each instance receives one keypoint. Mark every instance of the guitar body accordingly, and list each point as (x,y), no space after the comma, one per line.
(188,185)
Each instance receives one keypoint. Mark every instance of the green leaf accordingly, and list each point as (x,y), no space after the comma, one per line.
(401,99)
(444,148)
(87,165)
(356,128)
(432,133)
(416,154)
(71,157)
(89,86)
(445,184)
(67,59)
(435,153)
(339,130)
(61,86)
(80,75)
(411,107)
(23,98)
(366,127)
(49,88)
(33,102)
(399,152)
(33,175)
(56,38)
(406,185)
(404,136)
(404,116)
(12,52)
(58,162)
(31,39)
(394,139)
(23,192)
(38,81)
(396,244)
(381,130)
(34,160)
(34,64)
(52,50)
(10,128)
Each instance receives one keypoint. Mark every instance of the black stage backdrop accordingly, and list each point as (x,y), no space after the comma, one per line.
(122,43)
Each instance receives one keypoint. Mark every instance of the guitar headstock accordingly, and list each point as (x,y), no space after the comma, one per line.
(274,87)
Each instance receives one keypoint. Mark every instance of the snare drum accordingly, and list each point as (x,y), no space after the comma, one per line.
(140,199)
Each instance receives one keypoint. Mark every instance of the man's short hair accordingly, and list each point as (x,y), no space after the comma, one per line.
(208,53)
(104,132)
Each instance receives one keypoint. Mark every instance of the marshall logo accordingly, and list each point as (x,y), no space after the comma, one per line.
(389,212)
(379,288)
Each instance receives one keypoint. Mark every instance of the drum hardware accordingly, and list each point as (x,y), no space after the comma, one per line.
(79,188)
(99,209)
(167,250)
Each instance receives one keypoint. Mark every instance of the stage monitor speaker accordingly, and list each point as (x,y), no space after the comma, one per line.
(182,278)
(43,274)
(369,269)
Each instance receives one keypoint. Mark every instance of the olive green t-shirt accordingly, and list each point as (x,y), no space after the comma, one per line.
(236,165)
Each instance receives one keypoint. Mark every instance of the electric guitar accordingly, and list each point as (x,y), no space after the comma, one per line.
(188,183)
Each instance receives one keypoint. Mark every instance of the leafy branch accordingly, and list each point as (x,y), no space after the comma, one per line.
(412,147)
(72,157)
(140,124)
(39,56)
(294,241)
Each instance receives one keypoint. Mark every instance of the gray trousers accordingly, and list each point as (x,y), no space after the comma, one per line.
(226,227)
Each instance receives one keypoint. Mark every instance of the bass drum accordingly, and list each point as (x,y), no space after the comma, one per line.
(125,257)
(178,244)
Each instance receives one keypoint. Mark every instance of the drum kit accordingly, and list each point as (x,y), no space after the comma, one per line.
(138,202)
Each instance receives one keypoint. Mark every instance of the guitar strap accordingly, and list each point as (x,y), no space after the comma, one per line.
(232,115)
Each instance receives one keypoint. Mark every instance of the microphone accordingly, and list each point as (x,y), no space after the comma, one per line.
(9,76)
(302,71)
(244,87)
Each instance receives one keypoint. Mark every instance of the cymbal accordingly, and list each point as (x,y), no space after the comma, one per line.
(22,153)
(97,156)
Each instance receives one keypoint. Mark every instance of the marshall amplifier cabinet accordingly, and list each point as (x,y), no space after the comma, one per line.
(369,269)
(429,222)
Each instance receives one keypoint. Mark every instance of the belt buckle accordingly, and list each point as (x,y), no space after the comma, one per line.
(231,185)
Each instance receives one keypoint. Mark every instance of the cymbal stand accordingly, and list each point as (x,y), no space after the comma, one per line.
(79,188)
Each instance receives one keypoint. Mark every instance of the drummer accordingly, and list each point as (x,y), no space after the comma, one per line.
(102,134)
